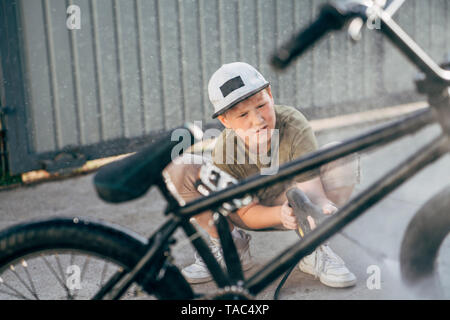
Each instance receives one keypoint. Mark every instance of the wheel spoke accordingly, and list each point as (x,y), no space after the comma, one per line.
(104,270)
(42,269)
(30,280)
(13,295)
(63,276)
(83,270)
(72,262)
(18,294)
(85,266)
(58,264)
(17,275)
(61,282)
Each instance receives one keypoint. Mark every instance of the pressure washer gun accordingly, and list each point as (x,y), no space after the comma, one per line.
(303,207)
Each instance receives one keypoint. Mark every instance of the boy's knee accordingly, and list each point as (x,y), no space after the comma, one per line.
(340,195)
(183,173)
(343,172)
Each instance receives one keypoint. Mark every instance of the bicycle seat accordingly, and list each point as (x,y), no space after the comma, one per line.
(131,177)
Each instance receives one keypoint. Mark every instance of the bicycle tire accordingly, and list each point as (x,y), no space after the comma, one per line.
(421,242)
(101,239)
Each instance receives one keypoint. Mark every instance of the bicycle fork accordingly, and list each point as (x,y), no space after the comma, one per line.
(438,97)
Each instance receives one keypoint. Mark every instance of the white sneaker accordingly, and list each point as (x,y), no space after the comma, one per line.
(199,273)
(329,267)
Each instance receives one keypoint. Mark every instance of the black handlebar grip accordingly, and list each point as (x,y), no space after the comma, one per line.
(303,207)
(329,19)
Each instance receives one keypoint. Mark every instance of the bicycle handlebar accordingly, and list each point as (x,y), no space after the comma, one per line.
(334,17)
(329,19)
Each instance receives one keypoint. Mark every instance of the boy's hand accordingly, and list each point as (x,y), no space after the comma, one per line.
(326,205)
(329,208)
(288,219)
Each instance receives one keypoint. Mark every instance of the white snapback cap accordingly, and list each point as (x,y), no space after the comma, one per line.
(233,83)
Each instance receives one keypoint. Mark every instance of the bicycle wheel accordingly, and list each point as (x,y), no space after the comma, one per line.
(64,258)
(422,245)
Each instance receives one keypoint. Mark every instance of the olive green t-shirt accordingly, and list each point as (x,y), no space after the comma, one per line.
(293,139)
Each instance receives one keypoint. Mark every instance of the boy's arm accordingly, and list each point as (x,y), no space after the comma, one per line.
(256,216)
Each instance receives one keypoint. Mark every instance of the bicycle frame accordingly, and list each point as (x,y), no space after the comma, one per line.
(435,85)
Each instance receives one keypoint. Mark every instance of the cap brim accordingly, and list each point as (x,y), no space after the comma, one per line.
(240,99)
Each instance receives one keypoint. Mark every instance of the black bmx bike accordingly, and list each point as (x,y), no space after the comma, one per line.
(34,255)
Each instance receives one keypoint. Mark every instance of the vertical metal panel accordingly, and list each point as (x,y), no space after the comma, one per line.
(85,72)
(321,67)
(304,66)
(248,32)
(355,64)
(137,67)
(108,69)
(268,33)
(415,21)
(209,47)
(446,28)
(371,69)
(191,55)
(151,69)
(438,30)
(168,13)
(129,68)
(229,30)
(13,94)
(40,106)
(61,81)
(412,17)
(286,27)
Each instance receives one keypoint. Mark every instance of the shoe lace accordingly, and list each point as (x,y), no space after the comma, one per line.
(329,259)
(217,252)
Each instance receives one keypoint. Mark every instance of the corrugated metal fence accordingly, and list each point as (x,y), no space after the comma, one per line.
(137,67)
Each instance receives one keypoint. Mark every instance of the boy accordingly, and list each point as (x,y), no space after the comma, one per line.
(255,126)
